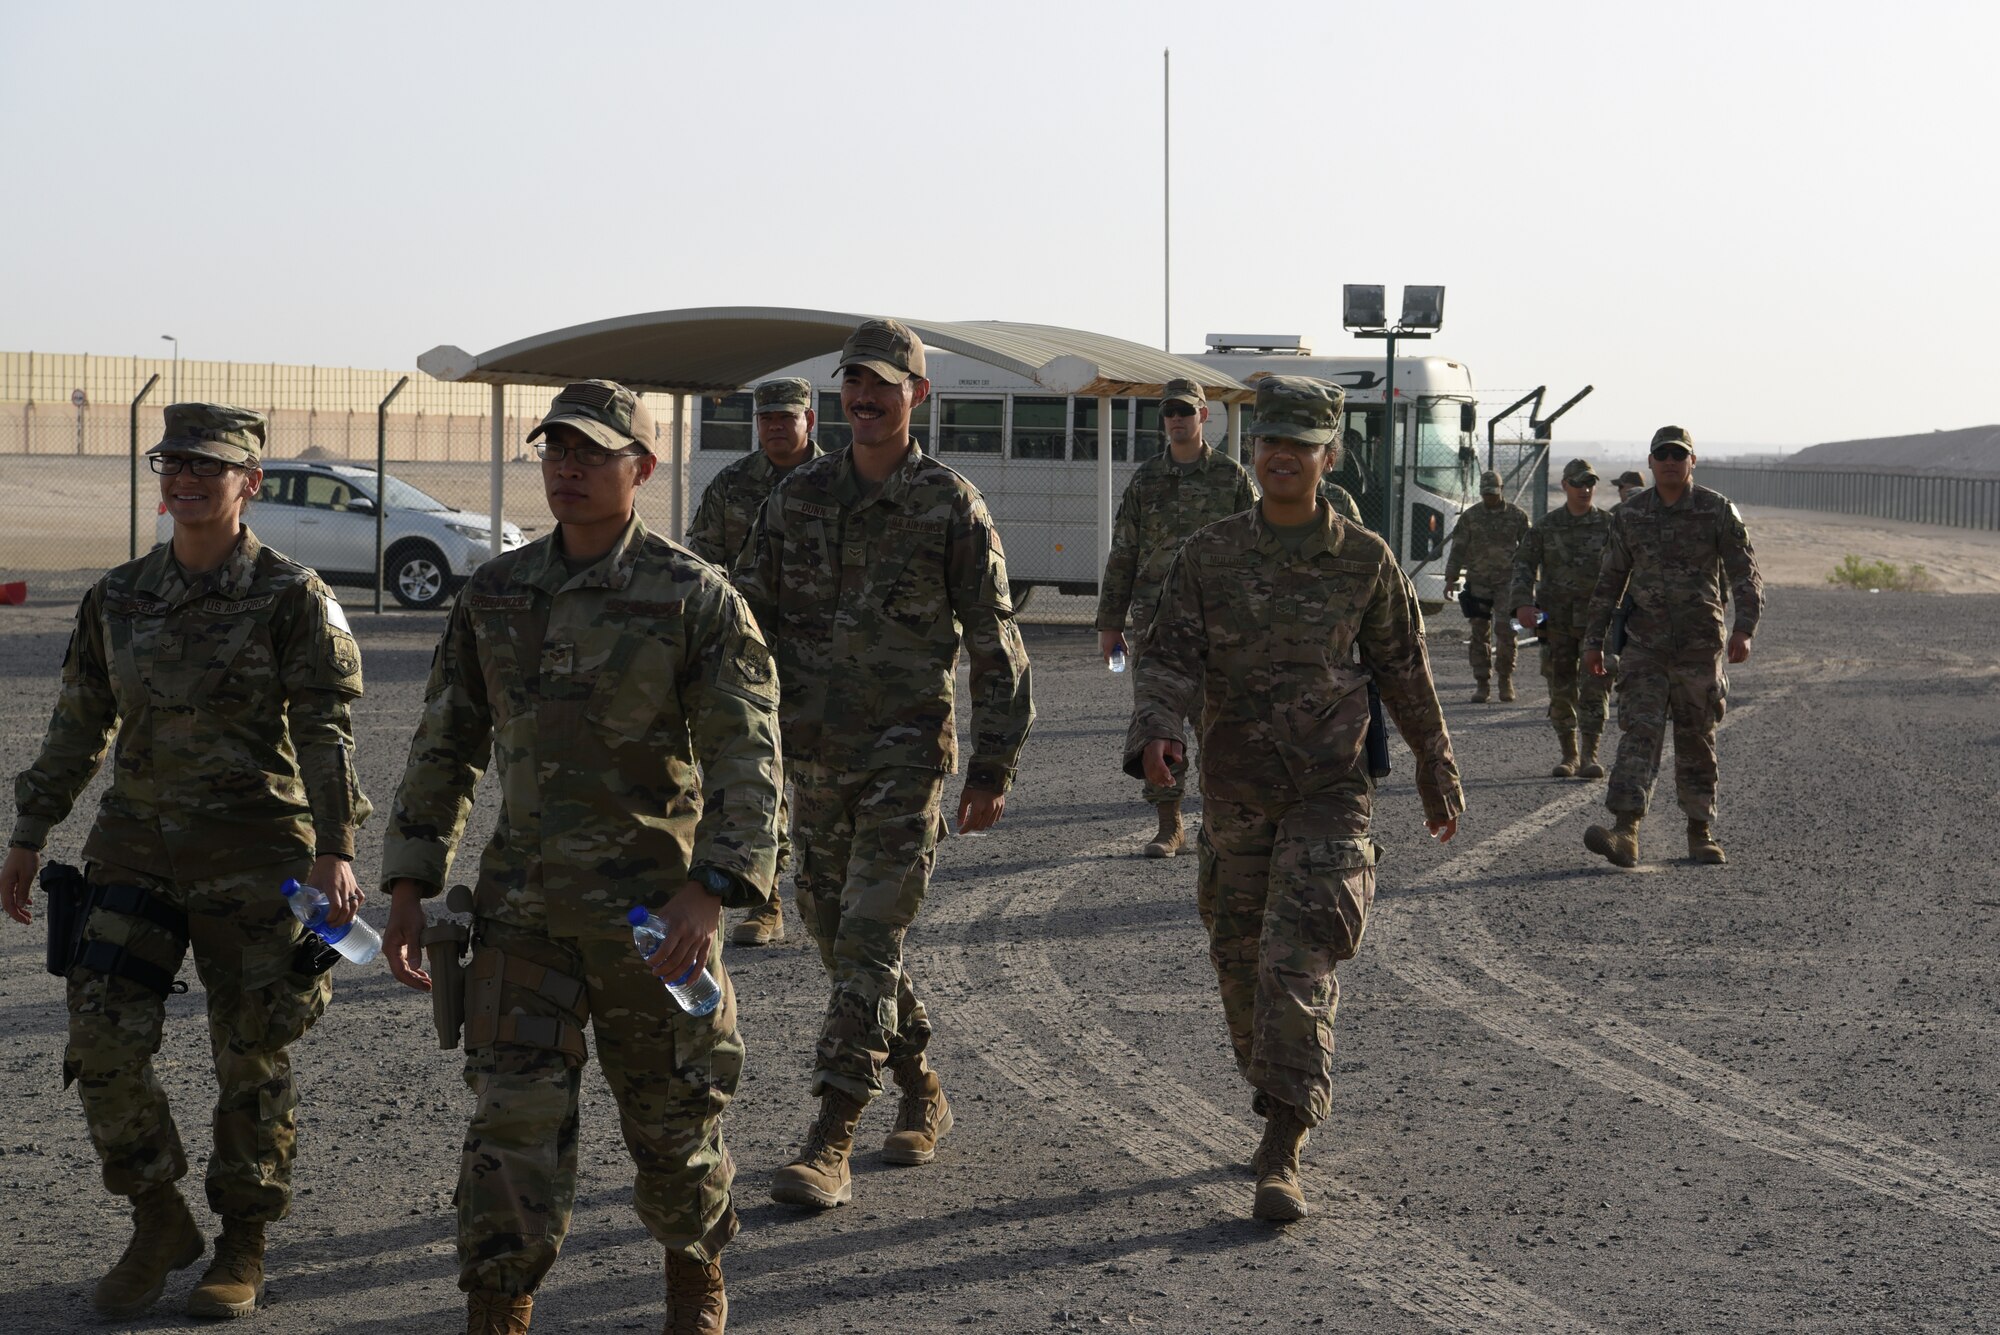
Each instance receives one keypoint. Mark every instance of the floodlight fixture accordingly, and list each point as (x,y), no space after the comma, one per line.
(1423,307)
(1363,306)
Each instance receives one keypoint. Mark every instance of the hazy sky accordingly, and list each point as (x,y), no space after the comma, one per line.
(1768,222)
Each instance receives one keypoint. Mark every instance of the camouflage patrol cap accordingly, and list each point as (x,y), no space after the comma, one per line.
(889,348)
(1672,435)
(604,410)
(1489,484)
(787,395)
(1580,471)
(1297,407)
(1184,391)
(1629,478)
(214,431)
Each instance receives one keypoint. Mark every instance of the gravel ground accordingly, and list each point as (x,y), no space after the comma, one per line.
(1748,1098)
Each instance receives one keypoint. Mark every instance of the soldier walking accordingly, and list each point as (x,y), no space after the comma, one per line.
(595,666)
(1269,628)
(1564,550)
(863,570)
(721,527)
(1169,497)
(1482,552)
(226,672)
(1672,548)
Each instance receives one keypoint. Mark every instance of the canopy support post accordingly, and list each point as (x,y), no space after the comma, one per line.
(1105,507)
(498,486)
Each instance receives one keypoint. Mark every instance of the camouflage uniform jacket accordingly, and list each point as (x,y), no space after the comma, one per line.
(593,693)
(1277,649)
(863,598)
(1482,549)
(1566,549)
(1673,560)
(1342,501)
(229,694)
(729,507)
(1162,506)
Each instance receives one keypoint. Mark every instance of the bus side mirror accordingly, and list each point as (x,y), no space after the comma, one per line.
(1468,417)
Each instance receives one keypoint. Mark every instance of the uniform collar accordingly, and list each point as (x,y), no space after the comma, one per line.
(764,470)
(613,570)
(160,576)
(1325,539)
(847,486)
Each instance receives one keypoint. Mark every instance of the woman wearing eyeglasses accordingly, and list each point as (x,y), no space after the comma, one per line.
(225,672)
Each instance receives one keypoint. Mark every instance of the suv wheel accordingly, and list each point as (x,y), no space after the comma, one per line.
(416,574)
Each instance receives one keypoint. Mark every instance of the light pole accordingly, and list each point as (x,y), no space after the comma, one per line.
(169,338)
(1364,313)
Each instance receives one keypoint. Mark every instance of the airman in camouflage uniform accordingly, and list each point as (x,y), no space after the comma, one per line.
(1482,551)
(721,527)
(864,569)
(225,672)
(1269,628)
(1564,550)
(594,666)
(1169,497)
(1343,502)
(1673,548)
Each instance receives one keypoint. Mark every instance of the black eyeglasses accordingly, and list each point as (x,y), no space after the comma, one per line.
(1673,452)
(166,465)
(590,456)
(1177,410)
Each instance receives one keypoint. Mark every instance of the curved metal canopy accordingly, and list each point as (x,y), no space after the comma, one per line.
(720,349)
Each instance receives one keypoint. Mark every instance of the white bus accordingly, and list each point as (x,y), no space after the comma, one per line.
(1033,454)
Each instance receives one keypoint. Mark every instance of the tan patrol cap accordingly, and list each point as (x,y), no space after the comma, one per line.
(889,348)
(1184,391)
(1489,484)
(1580,471)
(1297,407)
(789,394)
(213,431)
(1672,435)
(604,410)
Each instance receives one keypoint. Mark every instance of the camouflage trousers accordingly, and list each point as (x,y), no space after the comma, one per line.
(1500,652)
(244,938)
(1284,893)
(1579,701)
(1655,691)
(867,841)
(671,1074)
(1153,793)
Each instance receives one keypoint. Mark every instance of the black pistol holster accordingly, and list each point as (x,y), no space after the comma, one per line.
(113,960)
(68,896)
(445,945)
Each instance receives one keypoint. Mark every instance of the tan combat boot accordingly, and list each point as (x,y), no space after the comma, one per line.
(1702,846)
(1279,1197)
(1172,837)
(1483,694)
(764,927)
(489,1313)
(923,1114)
(235,1278)
(819,1177)
(1619,845)
(1567,769)
(1587,766)
(1506,686)
(164,1239)
(697,1304)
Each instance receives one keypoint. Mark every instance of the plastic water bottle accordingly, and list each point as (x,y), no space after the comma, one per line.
(694,991)
(1117,663)
(357,942)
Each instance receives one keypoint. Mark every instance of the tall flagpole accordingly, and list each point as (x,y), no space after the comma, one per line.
(1167,200)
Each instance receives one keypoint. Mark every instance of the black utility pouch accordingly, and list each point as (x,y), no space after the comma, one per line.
(313,956)
(68,896)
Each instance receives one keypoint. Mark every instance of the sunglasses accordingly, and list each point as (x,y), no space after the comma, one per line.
(1177,410)
(1673,452)
(590,456)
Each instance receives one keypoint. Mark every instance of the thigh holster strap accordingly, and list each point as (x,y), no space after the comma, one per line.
(135,901)
(492,974)
(115,961)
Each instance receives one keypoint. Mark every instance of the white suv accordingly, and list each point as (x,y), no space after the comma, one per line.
(323,516)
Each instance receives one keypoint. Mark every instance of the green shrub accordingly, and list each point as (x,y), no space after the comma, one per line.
(1855,573)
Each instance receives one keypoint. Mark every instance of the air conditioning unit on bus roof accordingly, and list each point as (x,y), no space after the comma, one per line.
(1293,344)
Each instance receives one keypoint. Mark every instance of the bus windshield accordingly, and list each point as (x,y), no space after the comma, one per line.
(1441,464)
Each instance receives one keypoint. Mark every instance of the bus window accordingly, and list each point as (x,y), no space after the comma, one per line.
(832,430)
(726,423)
(970,426)
(1086,428)
(1439,467)
(1146,438)
(1039,427)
